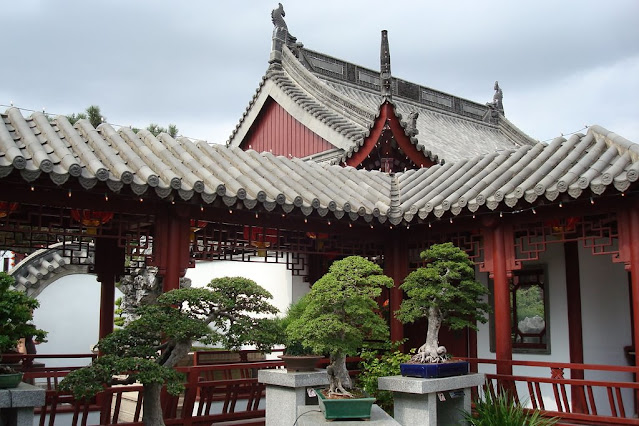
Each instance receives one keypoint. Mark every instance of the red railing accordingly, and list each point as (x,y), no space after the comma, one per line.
(583,400)
(213,393)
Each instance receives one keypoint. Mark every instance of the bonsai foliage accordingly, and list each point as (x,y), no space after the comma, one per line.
(16,313)
(378,363)
(147,348)
(340,315)
(445,292)
(294,347)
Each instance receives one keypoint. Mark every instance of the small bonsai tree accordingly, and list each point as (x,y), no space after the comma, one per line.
(445,292)
(147,348)
(340,315)
(16,313)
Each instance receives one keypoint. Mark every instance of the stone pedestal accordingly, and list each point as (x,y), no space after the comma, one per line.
(311,416)
(16,404)
(421,402)
(286,392)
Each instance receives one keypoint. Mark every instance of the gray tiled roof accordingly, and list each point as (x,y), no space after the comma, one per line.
(449,128)
(583,165)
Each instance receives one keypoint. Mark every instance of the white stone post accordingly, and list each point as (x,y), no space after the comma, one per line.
(285,392)
(16,404)
(423,402)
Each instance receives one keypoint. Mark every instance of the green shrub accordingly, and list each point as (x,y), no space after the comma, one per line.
(503,411)
(380,363)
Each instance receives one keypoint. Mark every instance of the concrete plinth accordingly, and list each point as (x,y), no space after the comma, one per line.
(286,392)
(311,416)
(421,402)
(16,405)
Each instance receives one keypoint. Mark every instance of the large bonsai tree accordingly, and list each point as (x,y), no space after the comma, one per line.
(444,292)
(16,314)
(145,350)
(340,315)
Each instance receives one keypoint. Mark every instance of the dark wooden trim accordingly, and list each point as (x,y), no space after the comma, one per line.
(396,267)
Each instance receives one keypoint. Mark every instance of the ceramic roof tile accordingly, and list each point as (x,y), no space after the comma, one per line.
(584,165)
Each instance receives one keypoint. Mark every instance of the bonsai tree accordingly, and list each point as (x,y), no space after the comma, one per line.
(444,292)
(147,348)
(16,313)
(340,315)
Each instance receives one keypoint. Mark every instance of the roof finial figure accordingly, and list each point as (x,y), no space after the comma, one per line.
(277,16)
(497,98)
(281,35)
(411,125)
(385,67)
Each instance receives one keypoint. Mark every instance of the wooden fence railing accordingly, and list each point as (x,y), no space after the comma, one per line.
(213,394)
(604,402)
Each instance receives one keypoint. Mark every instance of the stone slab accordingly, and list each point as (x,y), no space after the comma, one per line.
(24,395)
(280,377)
(311,416)
(418,385)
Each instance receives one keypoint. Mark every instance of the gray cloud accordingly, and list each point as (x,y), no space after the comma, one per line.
(197,63)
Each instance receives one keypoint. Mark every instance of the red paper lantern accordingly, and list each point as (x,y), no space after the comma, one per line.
(7,208)
(91,218)
(260,237)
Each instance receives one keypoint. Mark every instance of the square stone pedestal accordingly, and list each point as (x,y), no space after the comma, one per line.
(422,402)
(286,392)
(16,404)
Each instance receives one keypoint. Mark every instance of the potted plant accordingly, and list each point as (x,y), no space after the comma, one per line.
(339,316)
(296,357)
(445,292)
(147,348)
(16,314)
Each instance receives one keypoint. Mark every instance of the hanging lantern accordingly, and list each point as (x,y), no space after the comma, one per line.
(260,237)
(7,208)
(196,225)
(563,226)
(91,218)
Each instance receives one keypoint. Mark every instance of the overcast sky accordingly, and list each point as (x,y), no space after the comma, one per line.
(561,64)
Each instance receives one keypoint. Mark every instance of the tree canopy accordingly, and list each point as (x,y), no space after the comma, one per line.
(340,313)
(16,314)
(147,348)
(95,117)
(448,284)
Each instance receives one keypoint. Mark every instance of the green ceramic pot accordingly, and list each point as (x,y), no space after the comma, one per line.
(10,380)
(345,408)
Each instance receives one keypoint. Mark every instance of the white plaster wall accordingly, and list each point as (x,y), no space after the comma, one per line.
(605,316)
(605,312)
(69,311)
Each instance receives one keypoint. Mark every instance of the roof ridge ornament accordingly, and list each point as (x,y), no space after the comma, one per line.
(496,107)
(281,36)
(385,68)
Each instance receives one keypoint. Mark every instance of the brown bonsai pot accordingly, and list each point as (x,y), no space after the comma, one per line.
(297,363)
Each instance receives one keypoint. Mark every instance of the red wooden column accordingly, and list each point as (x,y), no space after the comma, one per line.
(575,333)
(171,246)
(109,266)
(396,267)
(633,217)
(501,288)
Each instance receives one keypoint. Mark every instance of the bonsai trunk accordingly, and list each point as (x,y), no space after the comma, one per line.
(152,407)
(338,375)
(431,352)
